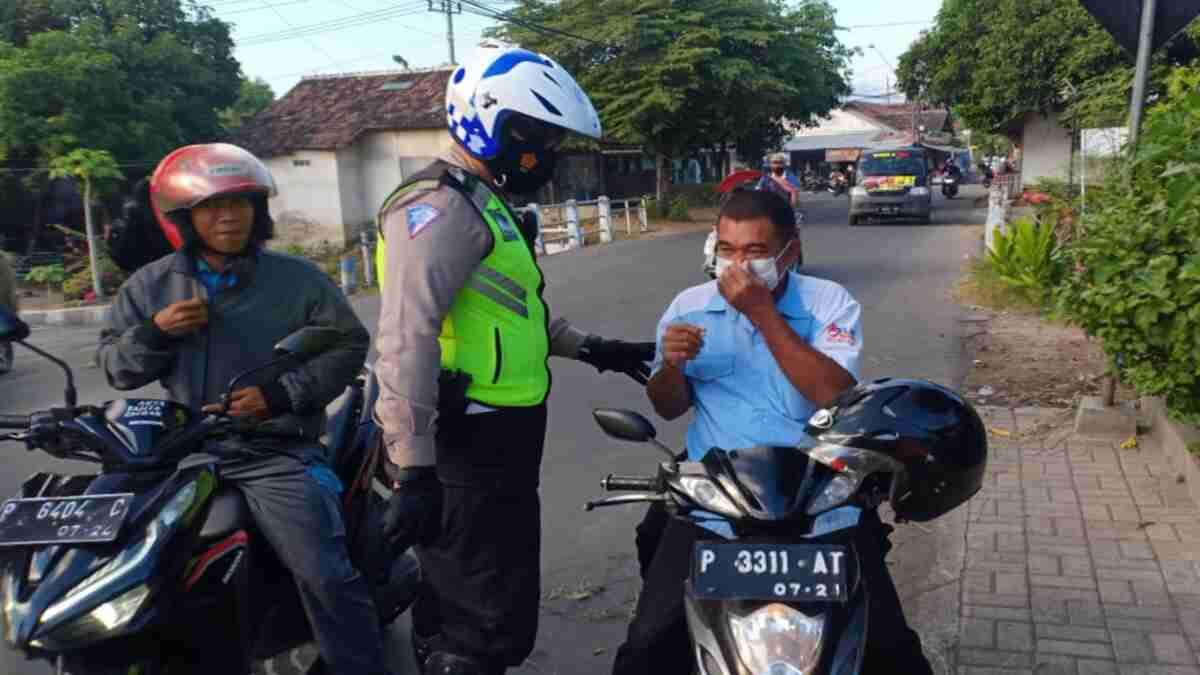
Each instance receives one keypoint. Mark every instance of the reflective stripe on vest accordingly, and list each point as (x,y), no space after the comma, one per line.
(496,329)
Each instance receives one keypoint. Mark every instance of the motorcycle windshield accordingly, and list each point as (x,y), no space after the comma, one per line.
(770,482)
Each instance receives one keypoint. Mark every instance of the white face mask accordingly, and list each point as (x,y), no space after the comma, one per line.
(766,269)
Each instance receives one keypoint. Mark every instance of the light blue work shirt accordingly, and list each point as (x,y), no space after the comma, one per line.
(740,396)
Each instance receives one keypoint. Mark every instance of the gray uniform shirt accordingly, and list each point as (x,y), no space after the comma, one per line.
(435,239)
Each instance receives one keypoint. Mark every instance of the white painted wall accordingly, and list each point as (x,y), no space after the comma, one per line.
(307,208)
(336,194)
(353,194)
(1045,148)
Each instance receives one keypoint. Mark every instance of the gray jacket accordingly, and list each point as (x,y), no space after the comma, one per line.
(274,296)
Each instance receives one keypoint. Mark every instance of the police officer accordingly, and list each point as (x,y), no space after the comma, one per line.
(462,304)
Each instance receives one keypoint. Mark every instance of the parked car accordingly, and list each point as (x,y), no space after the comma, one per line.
(893,184)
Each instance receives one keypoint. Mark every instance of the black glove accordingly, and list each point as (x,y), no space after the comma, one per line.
(624,357)
(414,512)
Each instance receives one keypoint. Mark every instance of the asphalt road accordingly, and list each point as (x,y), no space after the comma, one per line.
(901,275)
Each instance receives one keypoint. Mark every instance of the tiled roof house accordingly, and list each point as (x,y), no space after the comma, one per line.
(337,145)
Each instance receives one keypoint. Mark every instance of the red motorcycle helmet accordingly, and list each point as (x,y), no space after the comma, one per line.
(195,173)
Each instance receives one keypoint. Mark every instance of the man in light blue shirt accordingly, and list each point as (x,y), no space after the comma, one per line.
(754,353)
(719,349)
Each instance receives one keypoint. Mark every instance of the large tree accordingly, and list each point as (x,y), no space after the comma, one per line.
(994,60)
(131,77)
(674,75)
(254,96)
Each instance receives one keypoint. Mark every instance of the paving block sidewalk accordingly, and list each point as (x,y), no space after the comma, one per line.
(1082,558)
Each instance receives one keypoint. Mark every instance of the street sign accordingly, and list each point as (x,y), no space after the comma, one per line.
(1121,18)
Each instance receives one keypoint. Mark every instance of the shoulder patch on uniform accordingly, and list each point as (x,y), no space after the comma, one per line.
(837,334)
(419,217)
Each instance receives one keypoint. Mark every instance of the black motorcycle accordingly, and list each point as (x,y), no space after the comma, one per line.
(950,185)
(778,589)
(153,564)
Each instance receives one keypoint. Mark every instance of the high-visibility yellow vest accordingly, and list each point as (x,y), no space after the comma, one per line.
(496,330)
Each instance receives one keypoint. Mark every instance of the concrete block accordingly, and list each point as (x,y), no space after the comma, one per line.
(1095,420)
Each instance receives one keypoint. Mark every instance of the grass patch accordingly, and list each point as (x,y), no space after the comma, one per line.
(1193,448)
(983,286)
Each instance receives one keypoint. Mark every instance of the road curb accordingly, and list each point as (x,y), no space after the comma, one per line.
(71,316)
(1174,438)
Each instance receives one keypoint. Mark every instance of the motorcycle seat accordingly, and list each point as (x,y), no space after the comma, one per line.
(228,514)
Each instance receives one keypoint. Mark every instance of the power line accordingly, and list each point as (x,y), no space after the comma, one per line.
(485,11)
(309,71)
(887,25)
(310,41)
(353,21)
(259,9)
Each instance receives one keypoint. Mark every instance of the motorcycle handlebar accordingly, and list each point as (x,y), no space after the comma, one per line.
(14,421)
(634,483)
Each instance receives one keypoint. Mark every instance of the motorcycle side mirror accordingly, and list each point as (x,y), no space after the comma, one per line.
(625,425)
(304,344)
(12,328)
(307,342)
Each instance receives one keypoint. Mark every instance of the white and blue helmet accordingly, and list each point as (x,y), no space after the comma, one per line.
(500,80)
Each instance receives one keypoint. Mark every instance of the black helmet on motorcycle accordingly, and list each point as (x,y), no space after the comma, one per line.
(931,431)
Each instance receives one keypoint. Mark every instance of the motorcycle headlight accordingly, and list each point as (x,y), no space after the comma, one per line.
(919,192)
(105,619)
(129,558)
(706,493)
(852,465)
(778,640)
(858,191)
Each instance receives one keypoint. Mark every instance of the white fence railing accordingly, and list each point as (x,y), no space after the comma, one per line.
(561,227)
(566,226)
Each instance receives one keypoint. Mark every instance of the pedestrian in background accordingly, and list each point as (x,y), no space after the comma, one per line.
(8,300)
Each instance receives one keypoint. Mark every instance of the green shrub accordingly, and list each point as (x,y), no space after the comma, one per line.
(1028,260)
(679,210)
(1136,286)
(698,196)
(50,275)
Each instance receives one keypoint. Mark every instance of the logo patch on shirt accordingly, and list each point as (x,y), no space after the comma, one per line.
(838,335)
(419,217)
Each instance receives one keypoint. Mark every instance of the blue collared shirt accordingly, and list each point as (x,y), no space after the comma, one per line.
(740,395)
(214,282)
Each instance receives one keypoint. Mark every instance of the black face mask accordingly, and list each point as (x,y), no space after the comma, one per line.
(523,168)
(777,170)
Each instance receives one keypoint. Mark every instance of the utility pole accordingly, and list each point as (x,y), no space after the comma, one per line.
(450,8)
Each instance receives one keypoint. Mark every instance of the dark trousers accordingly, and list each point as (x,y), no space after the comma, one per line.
(302,521)
(483,573)
(658,642)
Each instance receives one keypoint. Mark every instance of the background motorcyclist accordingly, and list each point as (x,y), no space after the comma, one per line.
(195,319)
(780,179)
(462,303)
(754,354)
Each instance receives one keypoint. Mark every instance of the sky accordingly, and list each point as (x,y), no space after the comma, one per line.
(284,40)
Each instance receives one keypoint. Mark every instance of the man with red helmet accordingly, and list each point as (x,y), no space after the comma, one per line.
(216,307)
